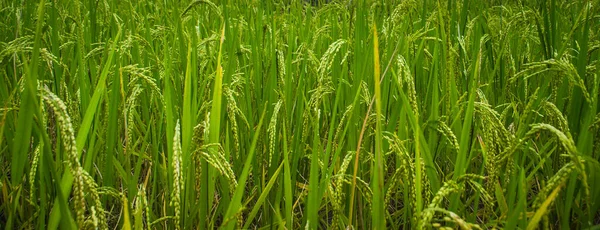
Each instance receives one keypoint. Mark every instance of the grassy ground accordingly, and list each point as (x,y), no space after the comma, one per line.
(286,114)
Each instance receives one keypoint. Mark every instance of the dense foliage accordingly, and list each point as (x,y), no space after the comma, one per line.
(297,114)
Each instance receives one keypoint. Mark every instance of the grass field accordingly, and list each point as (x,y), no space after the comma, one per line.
(363,114)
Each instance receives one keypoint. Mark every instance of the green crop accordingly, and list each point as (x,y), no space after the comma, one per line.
(290,114)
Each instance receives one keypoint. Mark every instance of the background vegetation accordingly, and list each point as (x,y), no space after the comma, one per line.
(283,114)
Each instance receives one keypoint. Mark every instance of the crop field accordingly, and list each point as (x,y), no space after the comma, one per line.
(299,114)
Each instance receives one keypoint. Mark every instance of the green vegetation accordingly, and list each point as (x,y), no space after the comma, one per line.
(287,114)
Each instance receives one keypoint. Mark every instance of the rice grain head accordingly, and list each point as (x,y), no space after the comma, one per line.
(70,145)
(177,176)
(272,130)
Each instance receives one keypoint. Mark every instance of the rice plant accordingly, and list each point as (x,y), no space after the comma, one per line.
(290,114)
